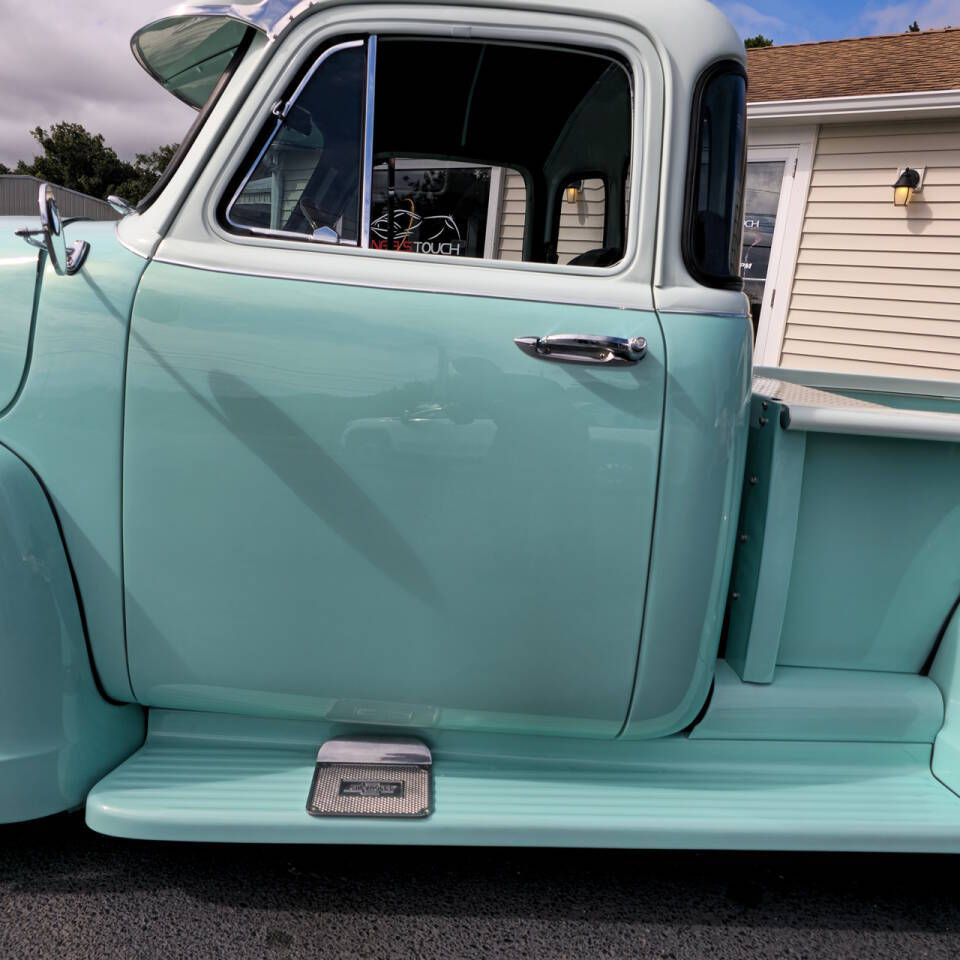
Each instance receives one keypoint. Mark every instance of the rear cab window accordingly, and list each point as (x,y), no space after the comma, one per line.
(523,153)
(713,215)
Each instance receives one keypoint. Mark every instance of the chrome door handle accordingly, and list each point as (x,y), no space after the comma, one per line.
(582,348)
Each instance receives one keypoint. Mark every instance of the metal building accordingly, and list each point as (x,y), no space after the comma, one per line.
(18,197)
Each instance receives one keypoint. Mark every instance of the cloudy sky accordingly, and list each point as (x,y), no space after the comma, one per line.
(61,60)
(799,21)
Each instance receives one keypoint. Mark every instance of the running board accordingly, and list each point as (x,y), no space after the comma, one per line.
(213,778)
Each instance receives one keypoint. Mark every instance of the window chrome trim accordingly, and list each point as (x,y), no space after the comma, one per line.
(280,110)
(369,104)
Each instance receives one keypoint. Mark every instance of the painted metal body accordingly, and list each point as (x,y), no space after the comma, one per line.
(62,426)
(58,736)
(19,272)
(242,464)
(318,491)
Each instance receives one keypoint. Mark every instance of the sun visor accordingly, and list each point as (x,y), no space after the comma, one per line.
(187,55)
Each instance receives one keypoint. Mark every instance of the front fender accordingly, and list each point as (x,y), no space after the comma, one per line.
(58,735)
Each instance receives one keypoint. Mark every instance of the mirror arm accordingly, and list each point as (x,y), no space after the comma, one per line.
(76,255)
(33,237)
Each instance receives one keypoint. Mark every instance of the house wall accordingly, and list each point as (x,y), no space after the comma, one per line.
(512,216)
(298,168)
(876,288)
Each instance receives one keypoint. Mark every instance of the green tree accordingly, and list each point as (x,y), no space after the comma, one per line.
(4,169)
(146,170)
(73,157)
(758,41)
(914,27)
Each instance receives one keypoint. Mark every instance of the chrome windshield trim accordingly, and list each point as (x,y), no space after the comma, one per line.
(369,103)
(270,17)
(329,52)
(280,110)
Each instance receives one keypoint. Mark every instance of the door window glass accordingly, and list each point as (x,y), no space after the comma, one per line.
(307,180)
(545,113)
(479,168)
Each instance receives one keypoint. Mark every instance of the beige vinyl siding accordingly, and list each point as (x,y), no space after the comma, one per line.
(581,225)
(298,167)
(512,215)
(876,288)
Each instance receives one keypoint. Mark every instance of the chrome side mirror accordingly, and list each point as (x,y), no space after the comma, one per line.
(121,206)
(65,261)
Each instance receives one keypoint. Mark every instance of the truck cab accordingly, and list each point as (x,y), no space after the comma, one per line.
(388,227)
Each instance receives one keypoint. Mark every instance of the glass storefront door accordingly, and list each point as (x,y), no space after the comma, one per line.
(769,181)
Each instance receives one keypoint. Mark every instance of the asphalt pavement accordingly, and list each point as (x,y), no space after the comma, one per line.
(68,892)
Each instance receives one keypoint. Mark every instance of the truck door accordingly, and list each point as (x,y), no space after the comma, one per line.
(361,482)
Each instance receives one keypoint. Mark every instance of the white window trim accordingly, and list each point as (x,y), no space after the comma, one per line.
(792,144)
(637,78)
(196,239)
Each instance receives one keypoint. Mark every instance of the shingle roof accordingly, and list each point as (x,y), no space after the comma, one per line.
(897,63)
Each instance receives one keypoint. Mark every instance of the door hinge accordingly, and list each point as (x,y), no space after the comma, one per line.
(795,159)
(773,297)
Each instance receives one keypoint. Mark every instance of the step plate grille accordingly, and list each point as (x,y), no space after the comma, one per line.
(369,790)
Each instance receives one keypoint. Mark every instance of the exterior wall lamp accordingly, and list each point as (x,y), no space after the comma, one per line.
(573,192)
(908,183)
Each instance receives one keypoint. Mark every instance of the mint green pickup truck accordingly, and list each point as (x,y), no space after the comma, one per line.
(396,471)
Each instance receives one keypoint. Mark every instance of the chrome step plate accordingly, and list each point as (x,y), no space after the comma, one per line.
(358,777)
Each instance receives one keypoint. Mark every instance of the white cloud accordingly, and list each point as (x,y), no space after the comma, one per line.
(895,17)
(750,21)
(73,62)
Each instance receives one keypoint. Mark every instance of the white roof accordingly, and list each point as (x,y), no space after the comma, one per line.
(690,33)
(685,18)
